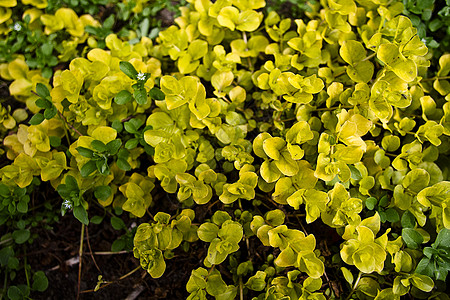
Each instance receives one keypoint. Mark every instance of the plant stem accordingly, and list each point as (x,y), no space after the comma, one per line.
(4,286)
(354,286)
(241,289)
(111,282)
(25,268)
(333,108)
(369,57)
(5,241)
(90,250)
(80,253)
(435,77)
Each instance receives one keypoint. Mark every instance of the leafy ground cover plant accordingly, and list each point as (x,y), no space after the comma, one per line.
(297,151)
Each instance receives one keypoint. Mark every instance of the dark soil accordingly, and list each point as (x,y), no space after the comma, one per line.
(54,248)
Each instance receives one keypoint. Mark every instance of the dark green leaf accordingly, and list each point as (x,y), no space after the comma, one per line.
(96,219)
(71,183)
(109,22)
(118,245)
(88,168)
(384,201)
(99,146)
(113,146)
(392,215)
(40,281)
(102,192)
(123,164)
(14,293)
(42,91)
(117,125)
(92,30)
(55,141)
(47,49)
(123,153)
(425,267)
(42,103)
(128,69)
(130,127)
(5,254)
(66,103)
(85,152)
(102,167)
(157,94)
(50,112)
(443,239)
(123,97)
(408,220)
(412,238)
(131,144)
(36,119)
(81,214)
(22,207)
(21,236)
(117,223)
(141,96)
(4,191)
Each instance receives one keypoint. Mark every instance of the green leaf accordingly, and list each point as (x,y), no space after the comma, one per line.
(99,146)
(88,168)
(442,239)
(36,119)
(392,215)
(123,97)
(371,202)
(96,220)
(42,91)
(128,69)
(14,293)
(132,143)
(117,223)
(21,236)
(412,238)
(156,94)
(85,152)
(71,183)
(55,141)
(50,112)
(43,103)
(113,146)
(118,245)
(123,164)
(141,96)
(408,220)
(22,207)
(347,275)
(81,214)
(40,281)
(102,192)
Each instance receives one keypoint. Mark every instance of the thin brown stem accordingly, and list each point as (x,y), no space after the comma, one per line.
(90,250)
(111,282)
(80,253)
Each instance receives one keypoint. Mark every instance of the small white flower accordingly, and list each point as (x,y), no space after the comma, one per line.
(140,76)
(67,204)
(17,27)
